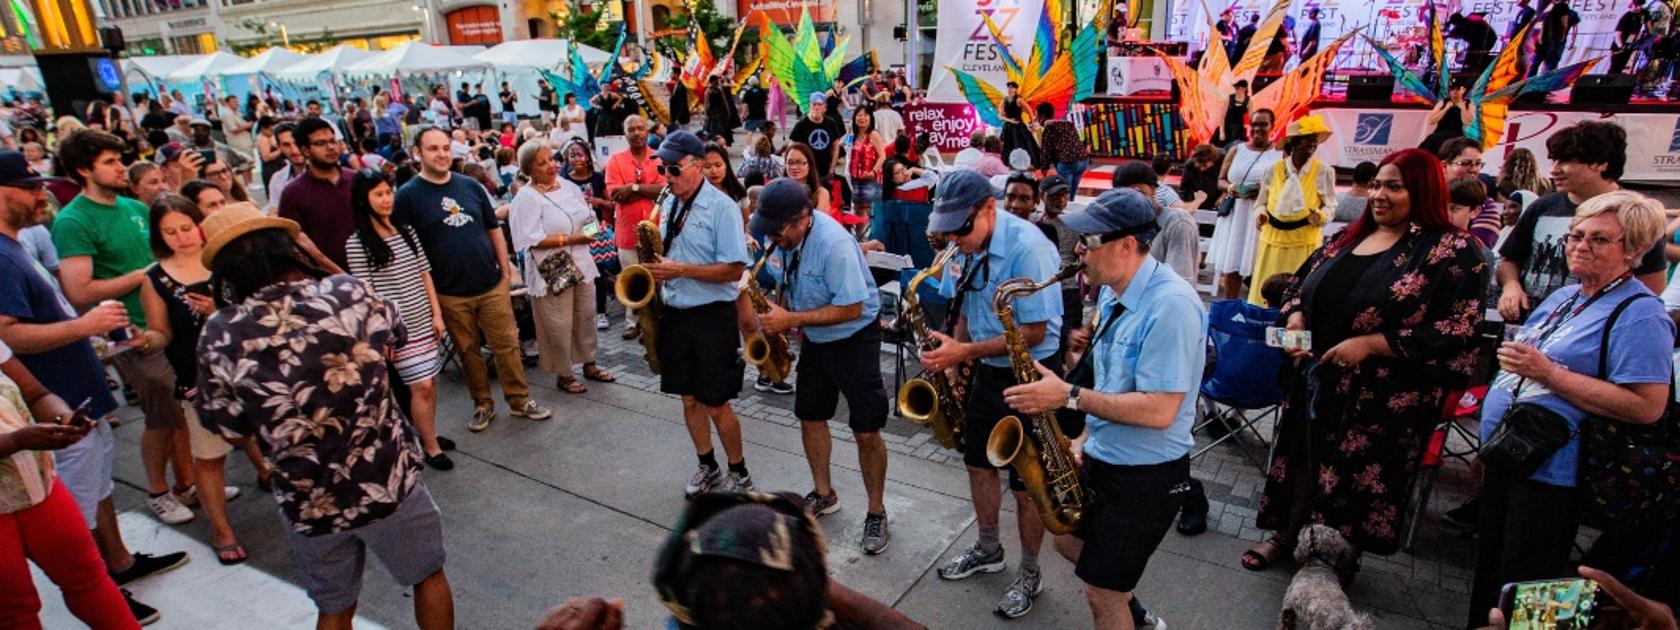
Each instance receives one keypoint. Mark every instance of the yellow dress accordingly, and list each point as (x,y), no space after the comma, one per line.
(1290,195)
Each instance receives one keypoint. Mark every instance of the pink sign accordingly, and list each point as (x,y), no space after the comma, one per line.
(948,125)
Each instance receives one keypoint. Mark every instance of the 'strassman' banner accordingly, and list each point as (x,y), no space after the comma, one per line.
(1366,136)
(965,45)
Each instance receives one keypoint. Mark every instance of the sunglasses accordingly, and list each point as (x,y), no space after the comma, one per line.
(674,170)
(966,227)
(1093,241)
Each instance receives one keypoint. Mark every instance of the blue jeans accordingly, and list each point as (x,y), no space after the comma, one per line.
(1072,171)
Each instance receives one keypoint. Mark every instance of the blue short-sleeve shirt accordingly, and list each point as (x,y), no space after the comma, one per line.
(71,371)
(1639,353)
(1018,250)
(831,272)
(1164,321)
(712,233)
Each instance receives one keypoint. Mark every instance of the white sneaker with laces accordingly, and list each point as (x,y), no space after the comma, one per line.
(168,509)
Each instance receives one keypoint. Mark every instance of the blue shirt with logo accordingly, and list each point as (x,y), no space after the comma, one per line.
(1018,249)
(453,221)
(712,232)
(831,271)
(1157,346)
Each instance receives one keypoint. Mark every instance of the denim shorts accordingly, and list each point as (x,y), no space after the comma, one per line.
(409,543)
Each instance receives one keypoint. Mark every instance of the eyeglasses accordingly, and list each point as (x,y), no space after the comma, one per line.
(217,172)
(1476,164)
(323,143)
(1594,242)
(675,170)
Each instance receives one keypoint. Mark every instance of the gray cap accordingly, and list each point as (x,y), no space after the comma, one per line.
(959,192)
(1117,210)
(780,201)
(679,144)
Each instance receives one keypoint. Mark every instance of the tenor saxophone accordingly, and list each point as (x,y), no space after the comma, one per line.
(767,352)
(638,291)
(931,400)
(1044,460)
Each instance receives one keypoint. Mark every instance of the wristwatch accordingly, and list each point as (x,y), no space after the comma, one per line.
(636,188)
(1073,398)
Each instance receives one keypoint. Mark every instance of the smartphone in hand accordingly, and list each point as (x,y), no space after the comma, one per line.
(1549,604)
(79,415)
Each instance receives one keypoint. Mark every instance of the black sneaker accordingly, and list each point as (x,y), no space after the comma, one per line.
(147,565)
(440,461)
(781,388)
(819,505)
(1465,516)
(446,443)
(144,614)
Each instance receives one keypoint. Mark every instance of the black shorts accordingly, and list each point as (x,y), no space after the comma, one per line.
(985,407)
(700,353)
(850,367)
(1134,508)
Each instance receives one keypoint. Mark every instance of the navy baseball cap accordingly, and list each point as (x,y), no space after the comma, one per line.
(1118,210)
(959,192)
(780,201)
(677,145)
(14,170)
(1053,184)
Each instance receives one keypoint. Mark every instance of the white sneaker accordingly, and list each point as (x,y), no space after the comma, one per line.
(168,509)
(601,322)
(190,497)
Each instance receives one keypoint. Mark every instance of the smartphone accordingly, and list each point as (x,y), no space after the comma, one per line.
(201,288)
(1549,604)
(1277,337)
(209,155)
(79,414)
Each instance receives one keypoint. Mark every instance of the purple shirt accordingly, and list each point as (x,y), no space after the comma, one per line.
(322,209)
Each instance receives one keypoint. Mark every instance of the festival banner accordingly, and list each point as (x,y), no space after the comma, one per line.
(1369,135)
(965,45)
(948,125)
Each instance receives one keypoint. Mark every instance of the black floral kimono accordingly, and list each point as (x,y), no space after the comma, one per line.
(1349,439)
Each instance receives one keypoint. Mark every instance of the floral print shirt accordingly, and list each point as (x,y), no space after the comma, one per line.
(301,365)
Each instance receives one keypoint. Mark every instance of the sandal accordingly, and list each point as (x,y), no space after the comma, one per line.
(1263,555)
(569,385)
(223,551)
(594,373)
(266,482)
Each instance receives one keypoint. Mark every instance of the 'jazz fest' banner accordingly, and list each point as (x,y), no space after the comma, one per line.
(965,44)
(1366,136)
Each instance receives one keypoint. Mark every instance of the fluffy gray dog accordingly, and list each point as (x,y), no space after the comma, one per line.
(1315,600)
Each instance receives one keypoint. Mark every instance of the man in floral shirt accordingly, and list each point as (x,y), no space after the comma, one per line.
(299,361)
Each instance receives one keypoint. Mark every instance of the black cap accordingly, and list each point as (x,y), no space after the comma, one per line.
(14,169)
(780,201)
(1135,172)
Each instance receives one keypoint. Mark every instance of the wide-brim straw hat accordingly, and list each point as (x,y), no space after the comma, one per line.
(1312,125)
(235,220)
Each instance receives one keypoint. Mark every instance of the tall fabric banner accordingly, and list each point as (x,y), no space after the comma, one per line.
(965,45)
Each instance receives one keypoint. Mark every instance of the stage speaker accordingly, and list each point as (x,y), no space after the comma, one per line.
(1371,87)
(112,37)
(1602,89)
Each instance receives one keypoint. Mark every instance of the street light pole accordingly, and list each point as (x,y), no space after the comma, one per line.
(428,34)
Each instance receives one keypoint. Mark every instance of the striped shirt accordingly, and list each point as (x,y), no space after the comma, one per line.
(400,282)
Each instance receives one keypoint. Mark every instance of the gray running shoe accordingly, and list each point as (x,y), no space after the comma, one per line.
(819,505)
(875,534)
(703,480)
(533,411)
(970,561)
(1018,598)
(737,482)
(481,419)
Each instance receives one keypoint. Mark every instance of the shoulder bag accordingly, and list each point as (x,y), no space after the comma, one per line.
(1629,473)
(558,270)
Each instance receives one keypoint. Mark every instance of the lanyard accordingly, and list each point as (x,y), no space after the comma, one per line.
(1553,322)
(790,270)
(678,219)
(983,269)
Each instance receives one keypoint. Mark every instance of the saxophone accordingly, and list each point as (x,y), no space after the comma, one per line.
(931,400)
(767,352)
(637,290)
(1043,460)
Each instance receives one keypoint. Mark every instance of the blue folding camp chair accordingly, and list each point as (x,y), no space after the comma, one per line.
(1241,388)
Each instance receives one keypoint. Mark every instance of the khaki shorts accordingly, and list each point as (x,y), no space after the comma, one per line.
(205,443)
(153,381)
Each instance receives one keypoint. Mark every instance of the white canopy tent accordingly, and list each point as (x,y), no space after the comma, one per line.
(330,61)
(23,79)
(418,58)
(210,65)
(545,54)
(155,69)
(269,62)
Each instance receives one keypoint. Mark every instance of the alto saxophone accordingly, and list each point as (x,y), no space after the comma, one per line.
(767,352)
(638,291)
(1044,464)
(932,400)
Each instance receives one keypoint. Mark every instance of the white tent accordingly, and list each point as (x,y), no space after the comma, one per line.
(269,62)
(206,66)
(156,67)
(330,61)
(545,54)
(24,79)
(416,58)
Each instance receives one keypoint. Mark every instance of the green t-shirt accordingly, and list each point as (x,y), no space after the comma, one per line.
(116,237)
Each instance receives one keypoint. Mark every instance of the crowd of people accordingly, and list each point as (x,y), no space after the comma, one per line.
(309,333)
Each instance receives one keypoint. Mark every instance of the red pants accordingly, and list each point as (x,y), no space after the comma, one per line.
(55,538)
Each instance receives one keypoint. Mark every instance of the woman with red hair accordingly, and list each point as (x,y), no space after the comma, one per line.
(1392,307)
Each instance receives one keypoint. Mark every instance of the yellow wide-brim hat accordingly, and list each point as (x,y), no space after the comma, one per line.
(1311,125)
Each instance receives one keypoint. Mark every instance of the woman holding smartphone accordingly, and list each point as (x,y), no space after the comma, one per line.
(177,304)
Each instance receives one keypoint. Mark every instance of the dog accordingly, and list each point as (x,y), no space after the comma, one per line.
(1315,600)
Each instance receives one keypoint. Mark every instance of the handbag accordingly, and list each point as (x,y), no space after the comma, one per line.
(1228,203)
(1630,473)
(560,272)
(1084,375)
(1526,437)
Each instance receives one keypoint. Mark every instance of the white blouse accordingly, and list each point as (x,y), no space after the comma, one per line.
(536,216)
